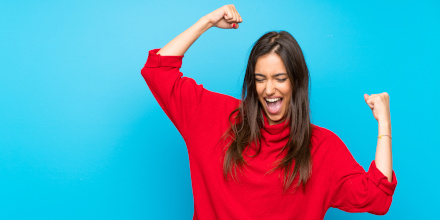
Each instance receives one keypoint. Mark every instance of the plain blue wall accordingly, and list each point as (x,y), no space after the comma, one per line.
(81,136)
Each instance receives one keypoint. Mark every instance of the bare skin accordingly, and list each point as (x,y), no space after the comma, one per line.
(272,83)
(227,17)
(380,106)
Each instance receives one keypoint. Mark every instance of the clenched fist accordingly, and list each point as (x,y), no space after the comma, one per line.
(380,105)
(225,17)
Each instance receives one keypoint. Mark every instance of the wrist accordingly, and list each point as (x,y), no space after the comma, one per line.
(384,120)
(205,22)
(384,128)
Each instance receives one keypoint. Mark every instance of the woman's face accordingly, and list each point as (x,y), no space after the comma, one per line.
(273,87)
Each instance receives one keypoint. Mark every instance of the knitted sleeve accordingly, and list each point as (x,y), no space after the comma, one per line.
(351,188)
(177,95)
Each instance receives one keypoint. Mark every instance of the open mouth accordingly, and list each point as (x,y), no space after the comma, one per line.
(274,105)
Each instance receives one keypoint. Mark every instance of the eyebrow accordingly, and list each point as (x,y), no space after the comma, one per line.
(275,75)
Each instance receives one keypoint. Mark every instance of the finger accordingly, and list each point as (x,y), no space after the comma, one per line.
(237,17)
(385,96)
(233,20)
(374,95)
(236,21)
(377,98)
(228,15)
(366,97)
(370,104)
(369,101)
(233,12)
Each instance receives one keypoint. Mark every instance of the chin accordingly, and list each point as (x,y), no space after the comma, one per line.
(276,119)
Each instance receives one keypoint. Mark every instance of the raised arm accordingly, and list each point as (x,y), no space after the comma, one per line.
(351,188)
(181,96)
(380,105)
(225,17)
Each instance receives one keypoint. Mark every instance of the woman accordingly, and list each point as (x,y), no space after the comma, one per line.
(249,158)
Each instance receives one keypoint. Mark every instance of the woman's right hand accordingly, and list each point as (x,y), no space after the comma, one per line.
(225,17)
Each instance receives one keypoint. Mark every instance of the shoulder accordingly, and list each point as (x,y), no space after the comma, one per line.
(320,133)
(324,139)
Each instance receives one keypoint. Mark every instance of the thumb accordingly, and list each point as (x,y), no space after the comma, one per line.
(366,97)
(227,15)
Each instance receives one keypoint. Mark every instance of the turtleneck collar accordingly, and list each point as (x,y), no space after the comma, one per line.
(277,132)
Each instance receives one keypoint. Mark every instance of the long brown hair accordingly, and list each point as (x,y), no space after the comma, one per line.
(247,120)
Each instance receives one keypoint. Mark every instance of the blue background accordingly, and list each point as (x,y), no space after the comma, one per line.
(82,137)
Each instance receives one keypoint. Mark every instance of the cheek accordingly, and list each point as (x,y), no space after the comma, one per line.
(259,90)
(287,91)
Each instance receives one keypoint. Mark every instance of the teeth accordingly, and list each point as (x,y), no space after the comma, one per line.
(273,100)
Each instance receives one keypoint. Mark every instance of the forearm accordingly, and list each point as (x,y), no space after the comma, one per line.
(383,159)
(180,44)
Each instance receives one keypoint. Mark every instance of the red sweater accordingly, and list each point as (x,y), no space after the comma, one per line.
(201,116)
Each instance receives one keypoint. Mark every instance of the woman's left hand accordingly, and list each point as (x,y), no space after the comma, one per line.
(380,105)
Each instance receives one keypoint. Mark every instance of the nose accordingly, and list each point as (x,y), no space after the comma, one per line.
(270,88)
